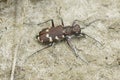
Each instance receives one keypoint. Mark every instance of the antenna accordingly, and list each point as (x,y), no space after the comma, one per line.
(86,25)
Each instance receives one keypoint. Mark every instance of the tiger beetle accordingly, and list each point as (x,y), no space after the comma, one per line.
(54,34)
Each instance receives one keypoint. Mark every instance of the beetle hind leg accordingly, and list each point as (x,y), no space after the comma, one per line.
(40,50)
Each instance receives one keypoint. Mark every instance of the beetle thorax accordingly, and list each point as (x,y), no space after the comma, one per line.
(76,30)
(72,30)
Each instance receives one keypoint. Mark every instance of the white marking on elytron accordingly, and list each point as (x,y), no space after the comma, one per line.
(50,39)
(56,37)
(47,30)
(47,35)
(38,38)
(63,36)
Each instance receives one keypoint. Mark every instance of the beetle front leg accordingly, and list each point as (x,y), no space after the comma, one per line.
(75,51)
(72,47)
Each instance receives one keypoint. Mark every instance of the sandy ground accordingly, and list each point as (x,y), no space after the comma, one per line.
(18,28)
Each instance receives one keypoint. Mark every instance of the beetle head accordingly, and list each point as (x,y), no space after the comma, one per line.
(76,30)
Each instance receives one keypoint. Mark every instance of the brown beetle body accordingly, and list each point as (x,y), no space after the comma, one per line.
(50,35)
(58,33)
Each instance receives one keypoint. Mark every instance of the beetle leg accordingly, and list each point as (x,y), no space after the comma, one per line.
(75,51)
(92,38)
(48,21)
(40,50)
